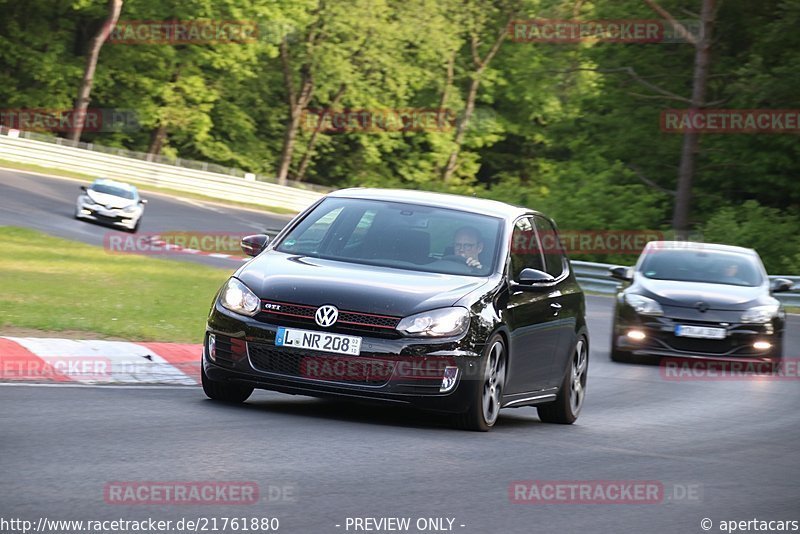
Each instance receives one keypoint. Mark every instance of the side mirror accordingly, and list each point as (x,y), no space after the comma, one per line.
(621,273)
(780,285)
(83,188)
(142,201)
(533,279)
(253,245)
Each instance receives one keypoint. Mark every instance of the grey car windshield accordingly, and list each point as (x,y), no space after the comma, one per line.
(705,266)
(399,235)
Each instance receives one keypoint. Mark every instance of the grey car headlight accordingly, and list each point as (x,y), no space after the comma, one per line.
(643,305)
(443,322)
(760,314)
(238,298)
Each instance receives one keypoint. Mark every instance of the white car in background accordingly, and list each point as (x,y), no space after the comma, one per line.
(110,202)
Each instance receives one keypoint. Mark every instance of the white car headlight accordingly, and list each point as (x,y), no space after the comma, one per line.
(760,314)
(131,209)
(643,305)
(238,298)
(443,322)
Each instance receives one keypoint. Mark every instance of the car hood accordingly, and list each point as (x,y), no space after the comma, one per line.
(312,281)
(689,294)
(110,201)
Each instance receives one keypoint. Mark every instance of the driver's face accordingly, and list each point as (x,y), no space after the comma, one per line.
(466,245)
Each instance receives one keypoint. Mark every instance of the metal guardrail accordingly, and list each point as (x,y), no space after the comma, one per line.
(87,159)
(595,277)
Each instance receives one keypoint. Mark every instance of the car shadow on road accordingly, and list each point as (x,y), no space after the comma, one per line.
(372,414)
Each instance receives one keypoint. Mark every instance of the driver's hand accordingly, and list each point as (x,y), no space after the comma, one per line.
(474,263)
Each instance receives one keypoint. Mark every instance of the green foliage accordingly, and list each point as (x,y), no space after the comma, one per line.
(770,232)
(560,127)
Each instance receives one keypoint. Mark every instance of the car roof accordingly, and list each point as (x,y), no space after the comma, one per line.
(483,206)
(694,245)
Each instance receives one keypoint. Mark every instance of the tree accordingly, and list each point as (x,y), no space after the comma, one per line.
(85,90)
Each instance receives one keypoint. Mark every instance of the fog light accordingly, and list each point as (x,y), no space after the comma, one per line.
(636,335)
(762,345)
(86,212)
(449,379)
(212,347)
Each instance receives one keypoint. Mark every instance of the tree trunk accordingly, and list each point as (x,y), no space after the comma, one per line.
(297,103)
(702,60)
(159,135)
(85,91)
(480,66)
(461,129)
(301,171)
(157,138)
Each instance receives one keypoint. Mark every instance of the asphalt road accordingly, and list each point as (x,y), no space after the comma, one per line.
(48,205)
(723,450)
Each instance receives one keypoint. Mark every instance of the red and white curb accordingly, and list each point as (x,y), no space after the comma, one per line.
(172,247)
(48,360)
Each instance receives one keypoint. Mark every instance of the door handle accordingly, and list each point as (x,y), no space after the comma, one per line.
(556,307)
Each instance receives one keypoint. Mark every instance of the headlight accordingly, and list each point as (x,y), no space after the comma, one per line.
(760,314)
(86,200)
(443,322)
(130,209)
(643,305)
(238,298)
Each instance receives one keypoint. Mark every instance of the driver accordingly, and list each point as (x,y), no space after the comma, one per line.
(468,244)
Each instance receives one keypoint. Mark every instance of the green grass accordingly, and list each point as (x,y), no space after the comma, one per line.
(54,284)
(144,188)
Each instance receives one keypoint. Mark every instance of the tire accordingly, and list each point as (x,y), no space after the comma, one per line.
(569,401)
(222,391)
(487,390)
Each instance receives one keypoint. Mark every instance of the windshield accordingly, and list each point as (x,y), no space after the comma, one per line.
(712,267)
(392,234)
(106,189)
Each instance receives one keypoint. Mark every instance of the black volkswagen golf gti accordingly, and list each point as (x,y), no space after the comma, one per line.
(443,302)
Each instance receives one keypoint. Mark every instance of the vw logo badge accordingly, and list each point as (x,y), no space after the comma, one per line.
(701,306)
(326,315)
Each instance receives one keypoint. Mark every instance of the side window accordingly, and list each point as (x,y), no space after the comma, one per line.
(525,248)
(554,258)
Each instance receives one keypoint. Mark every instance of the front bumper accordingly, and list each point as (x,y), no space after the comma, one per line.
(394,370)
(660,339)
(111,216)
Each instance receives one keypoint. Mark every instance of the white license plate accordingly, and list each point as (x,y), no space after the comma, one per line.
(704,332)
(322,341)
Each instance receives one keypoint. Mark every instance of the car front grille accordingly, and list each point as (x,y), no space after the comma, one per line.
(315,365)
(349,322)
(730,346)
